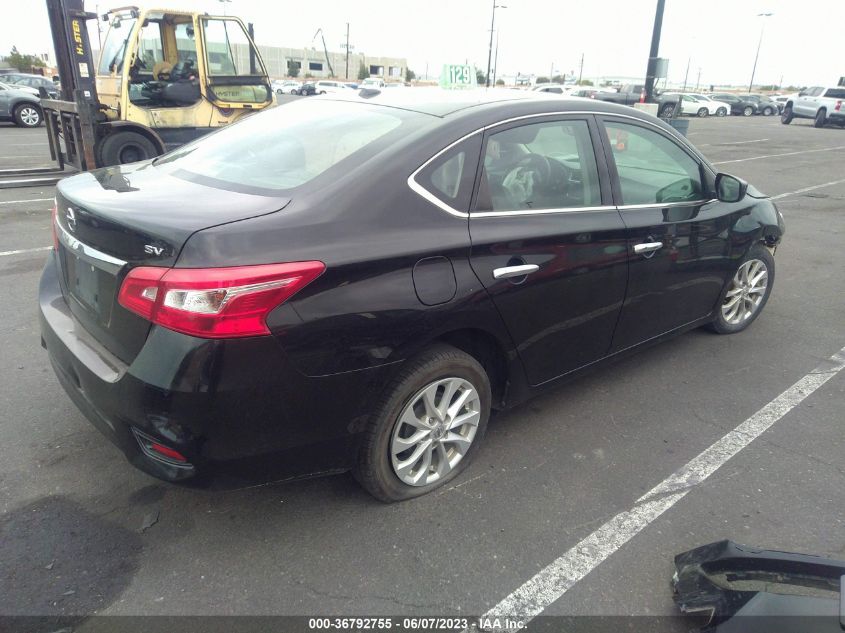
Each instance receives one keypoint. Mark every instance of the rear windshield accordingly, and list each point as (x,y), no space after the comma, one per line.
(835,93)
(288,146)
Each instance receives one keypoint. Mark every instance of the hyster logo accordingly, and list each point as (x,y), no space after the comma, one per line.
(149,249)
(71,219)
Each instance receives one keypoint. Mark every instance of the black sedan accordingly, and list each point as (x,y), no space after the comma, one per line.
(740,104)
(765,106)
(307,90)
(355,283)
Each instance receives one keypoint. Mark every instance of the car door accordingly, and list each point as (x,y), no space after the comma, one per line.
(678,235)
(4,101)
(805,104)
(547,242)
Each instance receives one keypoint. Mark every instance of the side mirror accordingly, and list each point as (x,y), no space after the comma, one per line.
(802,94)
(730,188)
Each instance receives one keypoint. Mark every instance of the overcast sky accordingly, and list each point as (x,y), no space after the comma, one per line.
(803,43)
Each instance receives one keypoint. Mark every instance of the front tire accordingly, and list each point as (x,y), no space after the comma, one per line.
(667,110)
(702,112)
(427,426)
(747,293)
(787,115)
(821,118)
(28,115)
(747,111)
(125,147)
(768,112)
(722,112)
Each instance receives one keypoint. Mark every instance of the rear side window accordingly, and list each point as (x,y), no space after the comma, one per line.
(451,175)
(284,148)
(549,165)
(652,168)
(835,93)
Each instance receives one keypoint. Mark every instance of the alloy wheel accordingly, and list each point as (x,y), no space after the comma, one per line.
(748,288)
(30,116)
(434,431)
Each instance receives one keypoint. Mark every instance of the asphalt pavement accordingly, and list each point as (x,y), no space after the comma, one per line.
(82,532)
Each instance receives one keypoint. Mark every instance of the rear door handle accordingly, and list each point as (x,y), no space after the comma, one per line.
(647,247)
(514,271)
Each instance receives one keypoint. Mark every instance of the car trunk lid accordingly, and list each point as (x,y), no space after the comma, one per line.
(111,220)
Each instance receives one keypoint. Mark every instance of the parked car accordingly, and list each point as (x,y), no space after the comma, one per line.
(558,89)
(719,108)
(286,87)
(20,105)
(823,105)
(395,84)
(307,89)
(372,82)
(739,104)
(628,94)
(32,81)
(765,105)
(690,105)
(330,87)
(290,318)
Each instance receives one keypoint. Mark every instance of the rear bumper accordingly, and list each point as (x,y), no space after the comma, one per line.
(231,407)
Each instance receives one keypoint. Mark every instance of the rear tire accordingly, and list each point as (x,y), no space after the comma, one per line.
(379,464)
(747,111)
(821,118)
(787,116)
(124,147)
(702,112)
(745,295)
(28,115)
(768,112)
(667,110)
(722,112)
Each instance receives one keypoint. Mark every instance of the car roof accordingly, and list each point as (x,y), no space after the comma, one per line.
(443,103)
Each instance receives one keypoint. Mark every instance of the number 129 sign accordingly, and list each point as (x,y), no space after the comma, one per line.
(457,76)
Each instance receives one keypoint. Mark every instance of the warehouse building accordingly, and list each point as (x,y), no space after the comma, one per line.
(312,62)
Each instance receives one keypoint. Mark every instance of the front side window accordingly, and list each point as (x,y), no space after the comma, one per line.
(150,50)
(549,165)
(652,168)
(283,148)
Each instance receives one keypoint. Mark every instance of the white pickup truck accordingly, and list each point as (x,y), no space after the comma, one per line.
(823,105)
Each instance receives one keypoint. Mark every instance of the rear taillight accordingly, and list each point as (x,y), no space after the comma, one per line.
(53,219)
(838,106)
(214,302)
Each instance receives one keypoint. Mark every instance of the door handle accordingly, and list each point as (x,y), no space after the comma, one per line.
(514,271)
(647,247)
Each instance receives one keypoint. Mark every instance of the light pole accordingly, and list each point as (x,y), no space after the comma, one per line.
(759,44)
(224,3)
(490,49)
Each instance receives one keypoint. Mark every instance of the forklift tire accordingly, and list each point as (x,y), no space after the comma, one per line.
(124,147)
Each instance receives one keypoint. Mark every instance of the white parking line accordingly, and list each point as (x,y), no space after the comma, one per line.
(803,151)
(806,189)
(24,201)
(756,140)
(548,585)
(25,250)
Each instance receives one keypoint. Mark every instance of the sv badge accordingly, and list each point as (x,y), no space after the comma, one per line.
(149,249)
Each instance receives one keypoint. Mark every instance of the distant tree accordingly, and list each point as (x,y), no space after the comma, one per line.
(410,75)
(585,82)
(559,79)
(293,70)
(363,72)
(23,63)
(309,76)
(542,80)
(500,82)
(480,78)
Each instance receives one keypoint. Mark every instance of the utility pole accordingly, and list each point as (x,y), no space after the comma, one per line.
(496,59)
(759,44)
(698,79)
(490,48)
(655,49)
(581,69)
(347,51)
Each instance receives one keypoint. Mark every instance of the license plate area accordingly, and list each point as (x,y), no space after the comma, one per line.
(92,287)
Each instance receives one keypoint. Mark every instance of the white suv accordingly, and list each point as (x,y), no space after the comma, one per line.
(823,105)
(322,87)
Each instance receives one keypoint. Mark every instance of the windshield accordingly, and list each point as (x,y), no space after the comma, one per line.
(228,49)
(288,146)
(114,47)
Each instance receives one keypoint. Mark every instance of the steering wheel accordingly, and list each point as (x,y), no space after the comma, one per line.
(539,166)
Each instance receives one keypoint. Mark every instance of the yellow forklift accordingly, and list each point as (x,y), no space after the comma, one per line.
(164,77)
